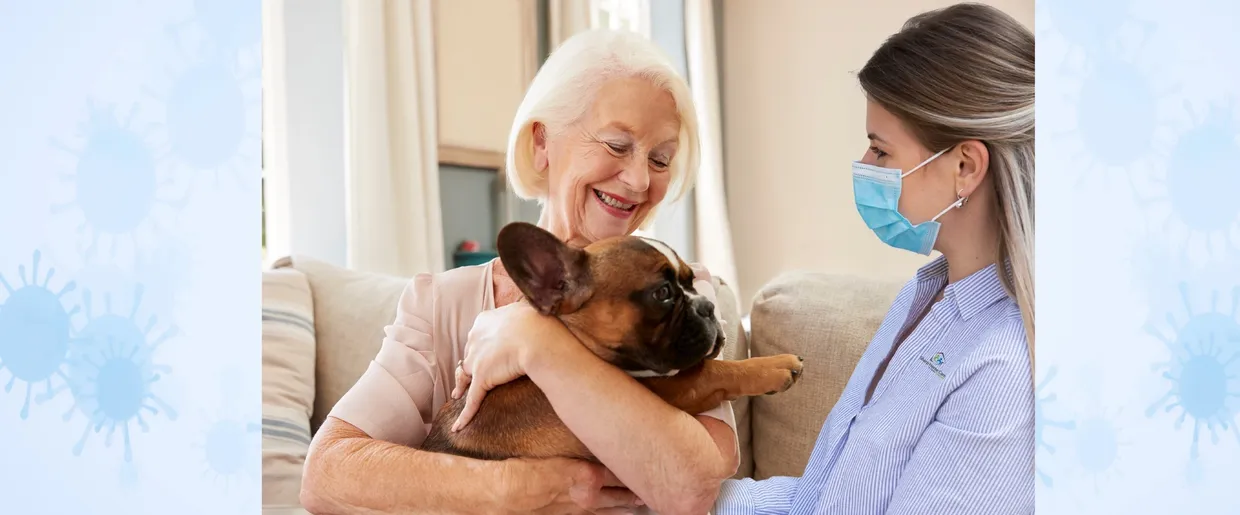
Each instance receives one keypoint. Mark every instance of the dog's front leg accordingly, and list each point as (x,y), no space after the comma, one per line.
(708,385)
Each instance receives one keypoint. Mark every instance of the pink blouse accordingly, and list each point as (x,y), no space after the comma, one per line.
(397,397)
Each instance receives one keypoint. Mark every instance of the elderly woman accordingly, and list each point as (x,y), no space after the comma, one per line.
(605,132)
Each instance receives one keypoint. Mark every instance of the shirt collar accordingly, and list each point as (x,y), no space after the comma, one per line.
(969,295)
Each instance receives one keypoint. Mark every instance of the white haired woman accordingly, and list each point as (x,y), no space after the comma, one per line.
(606,133)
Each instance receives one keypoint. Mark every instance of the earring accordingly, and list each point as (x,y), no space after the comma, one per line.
(961,199)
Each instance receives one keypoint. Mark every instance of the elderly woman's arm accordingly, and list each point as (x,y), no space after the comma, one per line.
(673,461)
(349,472)
(363,458)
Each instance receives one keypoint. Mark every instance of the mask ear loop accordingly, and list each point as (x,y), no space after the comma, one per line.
(923,163)
(959,203)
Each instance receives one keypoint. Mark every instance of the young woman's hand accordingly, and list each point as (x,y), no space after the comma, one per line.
(495,352)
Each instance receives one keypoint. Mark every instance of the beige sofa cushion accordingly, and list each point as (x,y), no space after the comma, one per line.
(829,321)
(350,311)
(288,383)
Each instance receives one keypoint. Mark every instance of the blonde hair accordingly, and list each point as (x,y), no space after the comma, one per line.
(966,72)
(565,88)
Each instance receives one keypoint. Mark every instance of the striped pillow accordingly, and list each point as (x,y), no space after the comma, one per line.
(288,383)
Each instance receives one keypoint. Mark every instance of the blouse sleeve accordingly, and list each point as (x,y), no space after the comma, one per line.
(771,496)
(723,412)
(393,399)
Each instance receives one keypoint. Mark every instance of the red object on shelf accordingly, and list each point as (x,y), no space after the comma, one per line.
(468,246)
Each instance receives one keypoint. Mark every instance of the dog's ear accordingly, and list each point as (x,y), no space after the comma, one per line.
(554,276)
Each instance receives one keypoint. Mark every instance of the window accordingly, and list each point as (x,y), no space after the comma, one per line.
(631,15)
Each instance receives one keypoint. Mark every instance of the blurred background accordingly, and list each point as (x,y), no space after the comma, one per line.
(385,123)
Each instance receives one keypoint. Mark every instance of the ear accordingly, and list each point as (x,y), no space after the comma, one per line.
(554,276)
(974,164)
(540,146)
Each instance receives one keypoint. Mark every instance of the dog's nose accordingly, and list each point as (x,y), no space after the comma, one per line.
(706,309)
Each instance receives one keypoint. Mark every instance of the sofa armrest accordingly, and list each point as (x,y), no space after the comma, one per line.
(827,319)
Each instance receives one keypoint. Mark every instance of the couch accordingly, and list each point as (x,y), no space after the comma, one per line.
(322,324)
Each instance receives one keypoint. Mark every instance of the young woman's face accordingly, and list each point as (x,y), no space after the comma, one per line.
(925,192)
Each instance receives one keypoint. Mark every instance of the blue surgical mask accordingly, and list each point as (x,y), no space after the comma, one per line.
(877,193)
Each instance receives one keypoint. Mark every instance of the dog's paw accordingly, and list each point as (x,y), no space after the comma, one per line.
(778,373)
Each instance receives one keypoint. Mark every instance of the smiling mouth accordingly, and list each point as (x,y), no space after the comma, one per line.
(613,202)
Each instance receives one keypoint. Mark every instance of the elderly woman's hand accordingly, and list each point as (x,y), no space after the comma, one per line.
(561,485)
(495,352)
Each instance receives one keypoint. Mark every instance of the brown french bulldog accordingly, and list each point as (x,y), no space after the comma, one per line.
(631,301)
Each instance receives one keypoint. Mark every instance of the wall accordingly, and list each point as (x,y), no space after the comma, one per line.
(480,73)
(795,120)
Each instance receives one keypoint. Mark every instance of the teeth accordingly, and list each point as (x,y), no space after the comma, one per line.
(607,199)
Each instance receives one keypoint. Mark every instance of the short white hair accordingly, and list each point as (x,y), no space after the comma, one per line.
(565,88)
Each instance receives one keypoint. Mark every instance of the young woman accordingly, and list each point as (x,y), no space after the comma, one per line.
(938,416)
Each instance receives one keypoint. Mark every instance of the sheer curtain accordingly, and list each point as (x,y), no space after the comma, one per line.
(565,18)
(712,229)
(392,172)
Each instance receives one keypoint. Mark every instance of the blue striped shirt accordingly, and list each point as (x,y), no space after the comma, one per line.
(949,428)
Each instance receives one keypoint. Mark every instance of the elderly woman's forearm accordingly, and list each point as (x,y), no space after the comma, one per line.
(664,455)
(347,472)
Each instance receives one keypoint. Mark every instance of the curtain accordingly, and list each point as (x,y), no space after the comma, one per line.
(392,170)
(713,231)
(565,18)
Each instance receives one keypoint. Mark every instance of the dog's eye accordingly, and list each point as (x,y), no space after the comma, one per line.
(663,294)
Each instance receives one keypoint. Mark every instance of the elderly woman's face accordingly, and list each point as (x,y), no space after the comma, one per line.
(606,172)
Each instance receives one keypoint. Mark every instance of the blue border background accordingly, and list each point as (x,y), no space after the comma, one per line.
(1138,256)
(129,148)
(130,258)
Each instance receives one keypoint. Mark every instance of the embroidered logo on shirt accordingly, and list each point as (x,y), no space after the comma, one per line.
(934,363)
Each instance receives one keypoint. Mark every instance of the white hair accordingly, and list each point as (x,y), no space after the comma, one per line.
(565,88)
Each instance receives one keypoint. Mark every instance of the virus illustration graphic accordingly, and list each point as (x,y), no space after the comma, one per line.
(112,376)
(1204,370)
(212,102)
(1098,443)
(232,444)
(228,448)
(1041,421)
(1118,113)
(1195,195)
(36,331)
(116,181)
